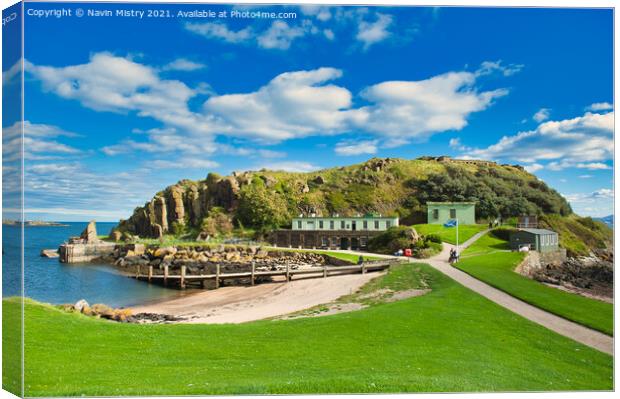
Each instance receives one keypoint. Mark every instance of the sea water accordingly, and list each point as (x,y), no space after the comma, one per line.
(48,280)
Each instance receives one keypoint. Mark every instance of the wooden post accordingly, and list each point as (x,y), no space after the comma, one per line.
(137,271)
(182,276)
(363,268)
(150,273)
(217,276)
(253,270)
(166,275)
(324,271)
(288,273)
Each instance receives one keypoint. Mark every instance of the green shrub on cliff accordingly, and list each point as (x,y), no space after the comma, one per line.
(578,234)
(262,209)
(217,223)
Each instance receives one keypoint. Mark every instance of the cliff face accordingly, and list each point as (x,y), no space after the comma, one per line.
(185,203)
(263,199)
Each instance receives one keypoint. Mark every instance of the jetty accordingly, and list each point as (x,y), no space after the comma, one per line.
(183,280)
(85,248)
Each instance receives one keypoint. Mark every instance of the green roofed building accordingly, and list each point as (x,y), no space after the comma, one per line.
(442,212)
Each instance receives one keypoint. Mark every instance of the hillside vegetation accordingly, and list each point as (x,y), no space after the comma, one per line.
(259,201)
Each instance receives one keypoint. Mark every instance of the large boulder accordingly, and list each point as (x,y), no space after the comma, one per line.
(89,235)
(81,305)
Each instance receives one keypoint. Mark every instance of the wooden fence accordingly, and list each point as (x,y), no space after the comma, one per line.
(183,279)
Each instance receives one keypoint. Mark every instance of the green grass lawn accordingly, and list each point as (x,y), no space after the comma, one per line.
(448,234)
(485,261)
(450,339)
(487,244)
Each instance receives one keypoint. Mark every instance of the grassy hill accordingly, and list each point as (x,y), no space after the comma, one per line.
(451,340)
(255,202)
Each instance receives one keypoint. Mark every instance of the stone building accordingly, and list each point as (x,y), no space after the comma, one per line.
(333,232)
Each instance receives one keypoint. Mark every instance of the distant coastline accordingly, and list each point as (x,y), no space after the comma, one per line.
(34,223)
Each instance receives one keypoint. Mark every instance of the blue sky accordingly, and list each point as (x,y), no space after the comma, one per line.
(119,107)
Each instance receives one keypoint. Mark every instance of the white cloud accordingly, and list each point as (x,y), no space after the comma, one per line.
(456,144)
(585,176)
(219,30)
(582,142)
(322,13)
(597,203)
(370,33)
(488,67)
(600,107)
(271,154)
(417,109)
(58,186)
(117,84)
(39,141)
(351,148)
(183,163)
(290,166)
(293,104)
(542,115)
(593,166)
(279,36)
(534,167)
(183,64)
(166,140)
(10,74)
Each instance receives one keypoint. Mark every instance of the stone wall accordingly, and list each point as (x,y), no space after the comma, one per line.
(535,260)
(79,253)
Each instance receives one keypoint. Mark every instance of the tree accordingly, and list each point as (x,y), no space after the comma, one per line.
(262,209)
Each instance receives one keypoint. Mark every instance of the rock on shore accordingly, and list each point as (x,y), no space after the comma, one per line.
(204,259)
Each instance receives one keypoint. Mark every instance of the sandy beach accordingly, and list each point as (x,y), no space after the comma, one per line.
(239,304)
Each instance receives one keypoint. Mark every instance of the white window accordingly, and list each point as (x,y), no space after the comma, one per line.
(331,224)
(320,224)
(299,224)
(388,224)
(376,224)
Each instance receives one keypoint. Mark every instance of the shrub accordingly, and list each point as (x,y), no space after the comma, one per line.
(178,228)
(435,238)
(503,233)
(393,239)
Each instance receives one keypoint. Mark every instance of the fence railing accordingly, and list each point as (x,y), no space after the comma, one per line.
(183,279)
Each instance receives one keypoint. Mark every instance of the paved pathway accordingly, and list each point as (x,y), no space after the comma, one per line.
(577,332)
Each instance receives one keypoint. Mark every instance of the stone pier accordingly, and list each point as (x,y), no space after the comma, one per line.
(77,253)
(86,247)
